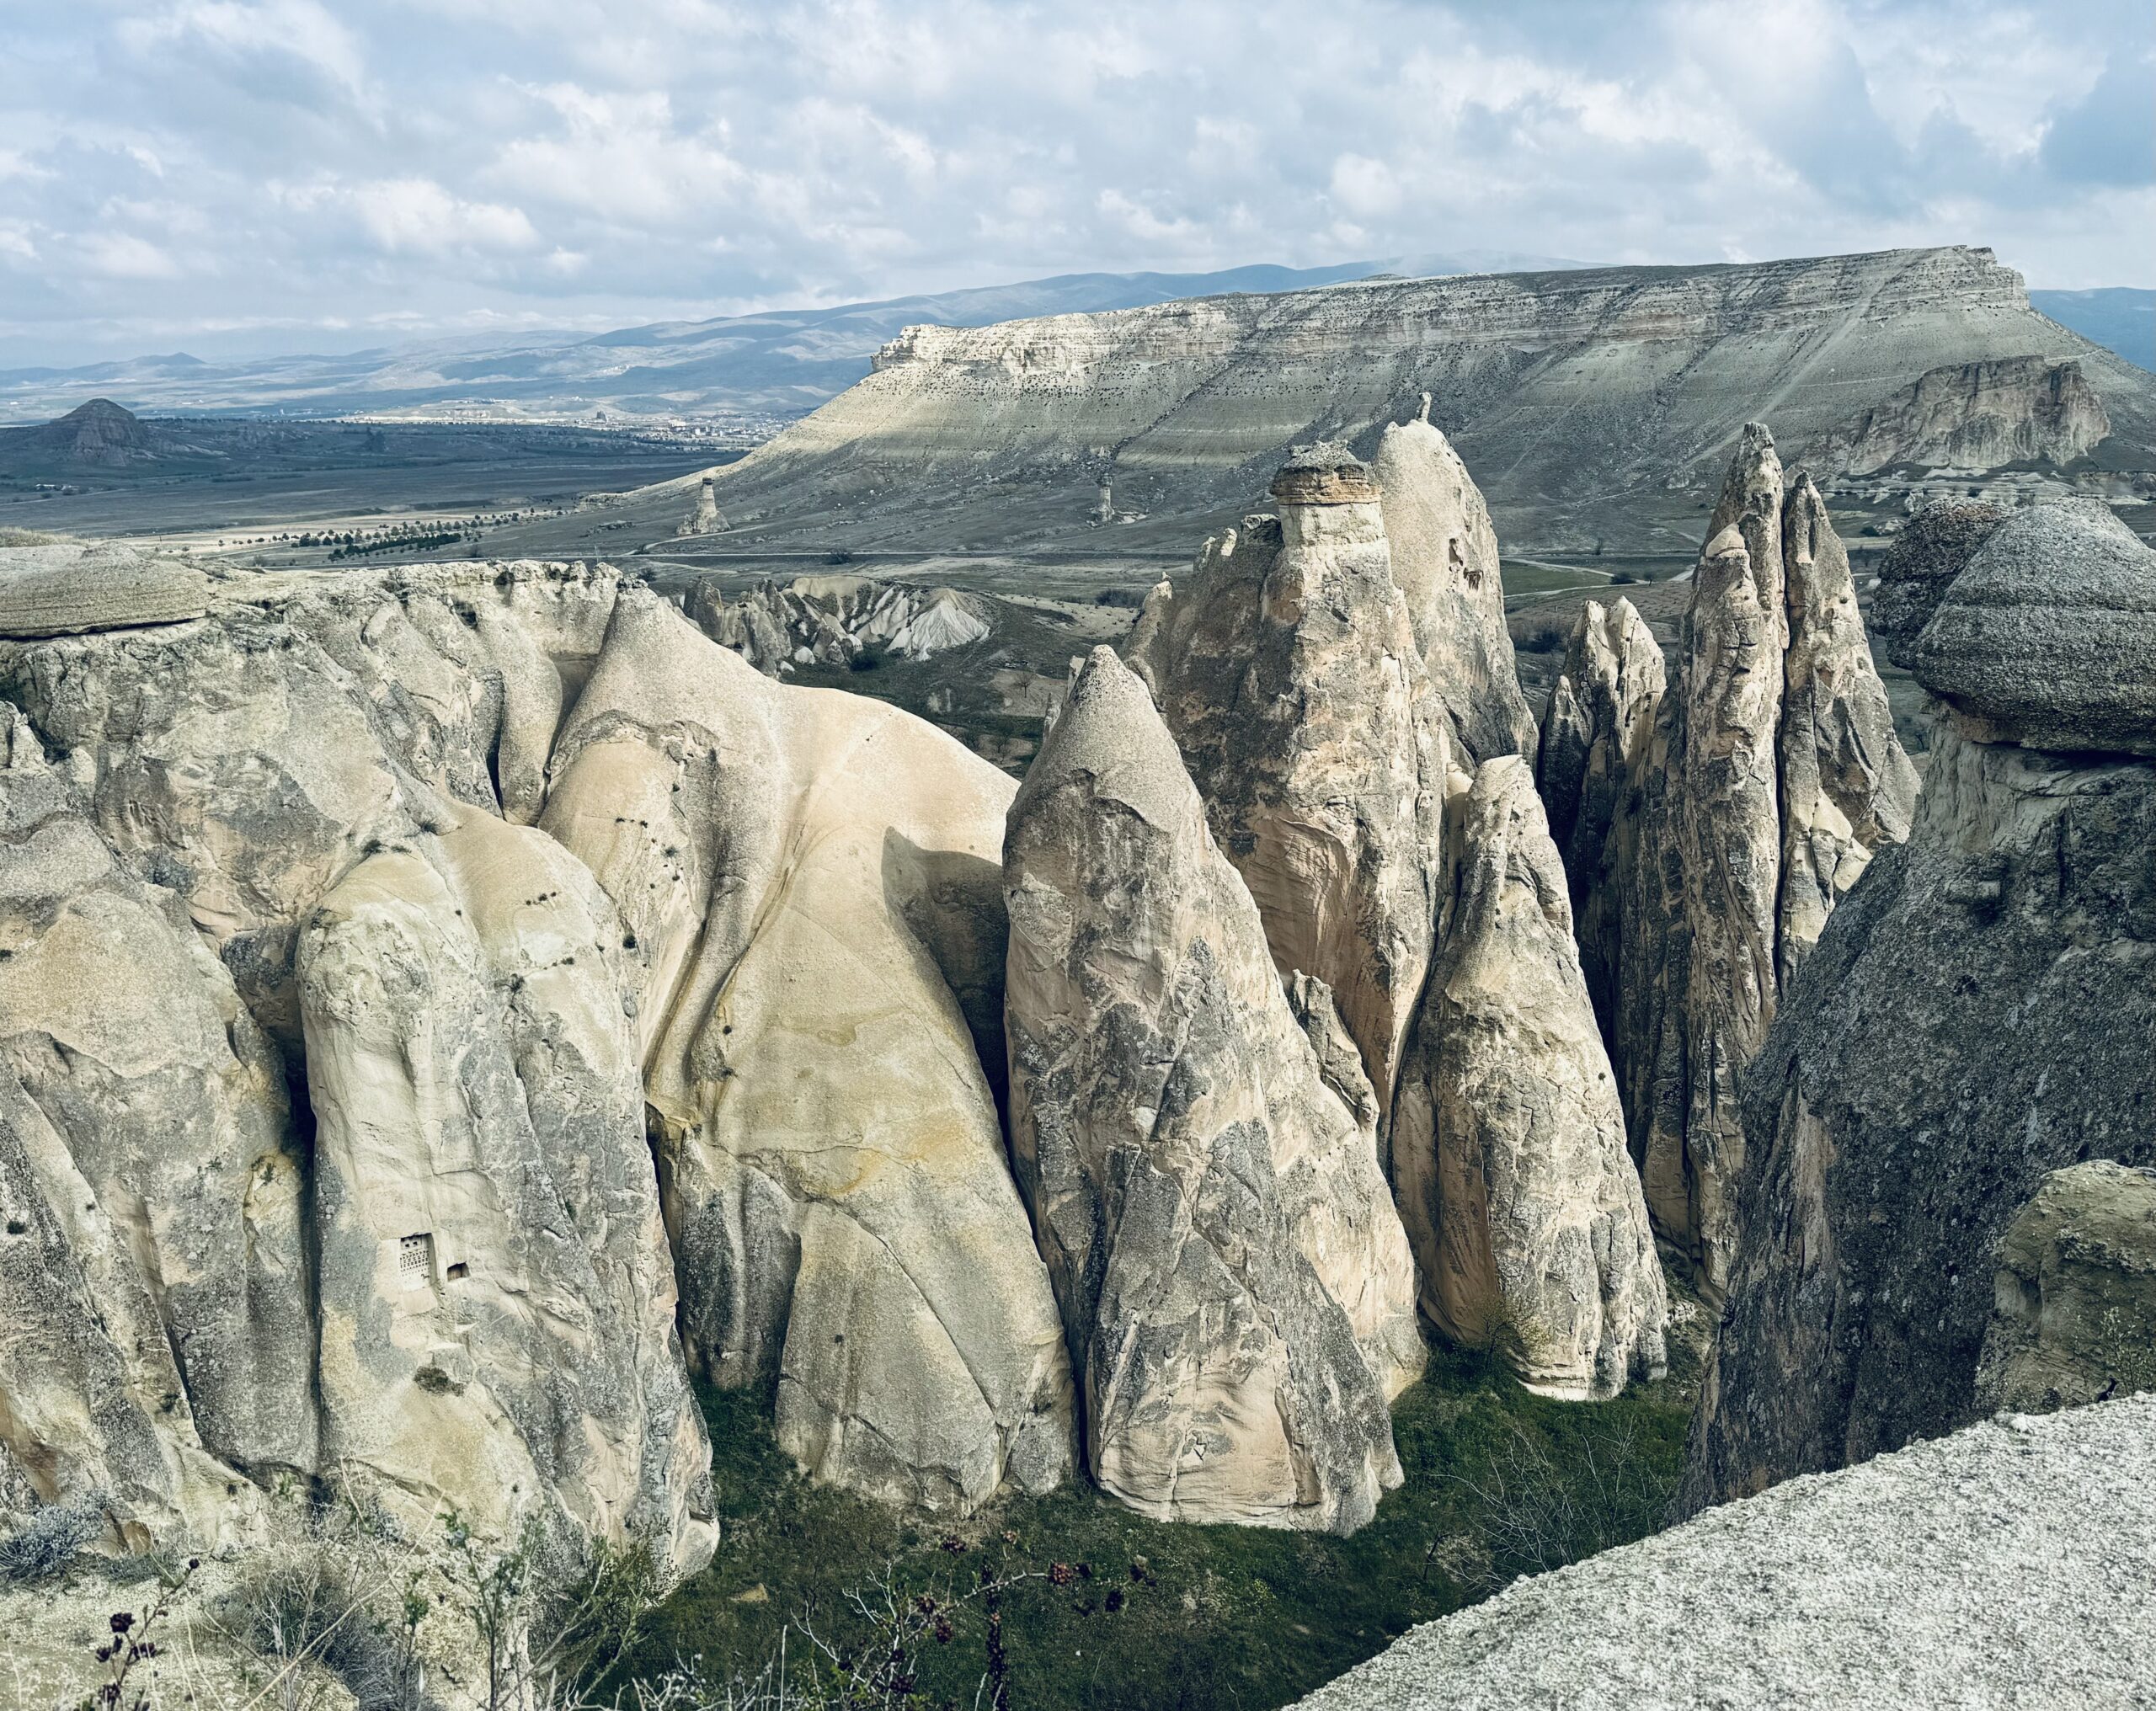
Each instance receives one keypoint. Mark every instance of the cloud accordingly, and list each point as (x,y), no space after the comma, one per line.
(288,164)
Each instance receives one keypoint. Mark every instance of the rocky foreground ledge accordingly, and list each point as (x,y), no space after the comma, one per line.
(2012,1564)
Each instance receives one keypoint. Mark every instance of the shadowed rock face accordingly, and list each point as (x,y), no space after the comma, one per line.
(1236,1286)
(807,880)
(1287,668)
(1508,1147)
(1974,1016)
(2075,1294)
(1933,548)
(835,620)
(1712,826)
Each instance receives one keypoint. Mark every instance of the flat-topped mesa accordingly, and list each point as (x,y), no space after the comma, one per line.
(1769,776)
(1286,667)
(1235,1286)
(1974,1016)
(1444,558)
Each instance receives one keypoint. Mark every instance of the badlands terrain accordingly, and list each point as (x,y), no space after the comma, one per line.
(549,1146)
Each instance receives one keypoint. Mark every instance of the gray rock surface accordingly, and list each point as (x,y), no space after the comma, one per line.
(1234,1281)
(2073,1304)
(1933,548)
(1508,1140)
(1975,1015)
(64,587)
(826,620)
(2047,637)
(2012,1564)
(1287,670)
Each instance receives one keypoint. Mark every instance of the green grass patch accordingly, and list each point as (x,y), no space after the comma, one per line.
(1141,1614)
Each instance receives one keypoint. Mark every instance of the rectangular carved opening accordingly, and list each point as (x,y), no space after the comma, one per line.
(459,1271)
(415,1261)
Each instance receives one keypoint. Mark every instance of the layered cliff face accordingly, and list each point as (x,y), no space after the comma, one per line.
(1236,1287)
(1714,826)
(1975,1015)
(1573,393)
(1977,415)
(835,620)
(808,884)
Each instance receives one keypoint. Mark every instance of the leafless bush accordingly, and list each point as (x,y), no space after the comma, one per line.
(51,1541)
(1541,632)
(1535,1513)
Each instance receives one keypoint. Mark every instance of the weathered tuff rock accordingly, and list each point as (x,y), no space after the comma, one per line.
(809,886)
(1977,415)
(1508,1143)
(1975,1016)
(1287,670)
(1444,558)
(1933,549)
(1595,735)
(62,587)
(2011,1564)
(1236,1288)
(833,620)
(1768,776)
(154,1326)
(2048,637)
(1847,787)
(470,1245)
(2074,1306)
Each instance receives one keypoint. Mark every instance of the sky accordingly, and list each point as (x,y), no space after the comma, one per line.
(228,177)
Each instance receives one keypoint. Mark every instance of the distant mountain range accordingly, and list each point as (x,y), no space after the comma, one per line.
(2119,317)
(779,365)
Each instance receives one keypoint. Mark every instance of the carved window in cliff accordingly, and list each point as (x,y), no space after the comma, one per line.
(415,1261)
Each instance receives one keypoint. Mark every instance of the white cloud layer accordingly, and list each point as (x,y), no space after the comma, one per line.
(226,173)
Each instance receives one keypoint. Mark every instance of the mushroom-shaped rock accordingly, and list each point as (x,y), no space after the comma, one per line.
(1287,669)
(1444,558)
(1933,548)
(2048,637)
(1508,1139)
(809,887)
(65,587)
(1236,1287)
(1847,786)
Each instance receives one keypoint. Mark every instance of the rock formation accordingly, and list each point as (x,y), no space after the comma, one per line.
(1932,550)
(2074,1305)
(704,520)
(2013,1564)
(65,587)
(1975,1015)
(1768,775)
(1595,735)
(808,885)
(1444,558)
(835,620)
(1234,1283)
(1977,415)
(1508,1141)
(1287,668)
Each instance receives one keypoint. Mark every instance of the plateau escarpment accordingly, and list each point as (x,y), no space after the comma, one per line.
(1975,1014)
(1593,401)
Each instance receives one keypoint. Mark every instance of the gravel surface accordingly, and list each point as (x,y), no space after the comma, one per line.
(2011,1564)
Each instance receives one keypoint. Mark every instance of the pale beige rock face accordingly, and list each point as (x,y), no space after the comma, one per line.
(810,880)
(1508,1140)
(1235,1282)
(496,1292)
(1847,787)
(1595,733)
(152,1307)
(1444,558)
(1287,668)
(2073,1319)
